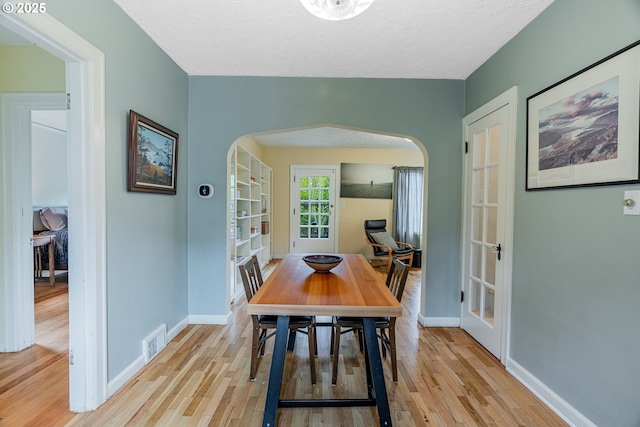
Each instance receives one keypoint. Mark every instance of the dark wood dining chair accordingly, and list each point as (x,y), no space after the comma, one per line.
(252,281)
(396,281)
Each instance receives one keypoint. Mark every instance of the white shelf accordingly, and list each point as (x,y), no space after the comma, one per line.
(251,185)
(256,251)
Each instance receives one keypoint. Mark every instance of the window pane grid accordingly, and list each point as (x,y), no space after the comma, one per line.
(314,207)
(483,226)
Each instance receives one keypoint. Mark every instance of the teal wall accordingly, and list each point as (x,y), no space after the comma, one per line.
(576,289)
(222,109)
(146,233)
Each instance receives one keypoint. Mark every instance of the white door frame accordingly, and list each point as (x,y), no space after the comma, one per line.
(85,82)
(18,258)
(508,99)
(293,228)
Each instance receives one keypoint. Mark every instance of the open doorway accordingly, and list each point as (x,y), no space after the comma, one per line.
(85,101)
(50,202)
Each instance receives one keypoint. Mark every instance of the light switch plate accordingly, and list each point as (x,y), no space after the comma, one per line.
(634,208)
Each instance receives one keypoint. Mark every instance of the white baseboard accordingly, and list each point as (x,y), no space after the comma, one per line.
(130,371)
(206,319)
(125,375)
(439,322)
(561,407)
(173,332)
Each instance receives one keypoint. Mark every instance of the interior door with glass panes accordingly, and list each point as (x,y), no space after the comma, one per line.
(484,278)
(313,218)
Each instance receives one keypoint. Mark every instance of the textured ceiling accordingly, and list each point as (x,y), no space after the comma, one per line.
(431,39)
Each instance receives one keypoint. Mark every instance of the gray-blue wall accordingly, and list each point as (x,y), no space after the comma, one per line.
(576,286)
(146,233)
(222,109)
(575,282)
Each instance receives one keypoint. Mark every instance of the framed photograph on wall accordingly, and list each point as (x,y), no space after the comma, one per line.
(153,156)
(366,181)
(585,129)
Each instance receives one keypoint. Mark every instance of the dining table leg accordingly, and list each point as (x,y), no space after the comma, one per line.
(377,375)
(275,376)
(370,393)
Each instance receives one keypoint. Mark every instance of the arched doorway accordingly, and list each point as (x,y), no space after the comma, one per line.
(323,144)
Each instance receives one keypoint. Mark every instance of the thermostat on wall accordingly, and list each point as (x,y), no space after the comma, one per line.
(205,191)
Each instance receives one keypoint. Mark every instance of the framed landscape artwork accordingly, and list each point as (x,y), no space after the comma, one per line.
(584,130)
(366,181)
(153,156)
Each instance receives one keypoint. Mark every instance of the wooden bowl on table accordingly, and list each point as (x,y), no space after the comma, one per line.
(322,263)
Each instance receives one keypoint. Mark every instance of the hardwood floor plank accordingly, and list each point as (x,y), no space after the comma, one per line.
(202,379)
(34,382)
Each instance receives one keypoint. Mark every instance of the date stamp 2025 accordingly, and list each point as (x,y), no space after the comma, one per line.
(27,7)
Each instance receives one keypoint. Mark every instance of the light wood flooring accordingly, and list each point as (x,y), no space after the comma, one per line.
(34,383)
(202,379)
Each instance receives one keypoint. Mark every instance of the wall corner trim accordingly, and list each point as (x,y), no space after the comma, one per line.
(130,371)
(439,322)
(556,403)
(125,375)
(208,319)
(173,332)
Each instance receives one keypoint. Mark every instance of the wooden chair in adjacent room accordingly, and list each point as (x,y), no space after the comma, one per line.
(252,280)
(383,244)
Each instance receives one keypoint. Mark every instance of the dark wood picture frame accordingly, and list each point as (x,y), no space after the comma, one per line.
(153,156)
(585,129)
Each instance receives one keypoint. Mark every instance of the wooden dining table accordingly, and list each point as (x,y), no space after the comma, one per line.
(353,288)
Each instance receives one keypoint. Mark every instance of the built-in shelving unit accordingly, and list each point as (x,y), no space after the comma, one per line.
(250,208)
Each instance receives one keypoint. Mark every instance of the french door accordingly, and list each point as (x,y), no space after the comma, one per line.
(488,220)
(313,218)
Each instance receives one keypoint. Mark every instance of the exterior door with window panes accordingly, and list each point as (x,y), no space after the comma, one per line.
(312,209)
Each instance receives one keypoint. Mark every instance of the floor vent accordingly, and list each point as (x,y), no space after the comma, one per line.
(154,343)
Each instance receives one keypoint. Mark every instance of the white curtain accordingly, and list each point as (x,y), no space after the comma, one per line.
(408,193)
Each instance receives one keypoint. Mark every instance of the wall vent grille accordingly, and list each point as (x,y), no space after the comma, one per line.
(154,343)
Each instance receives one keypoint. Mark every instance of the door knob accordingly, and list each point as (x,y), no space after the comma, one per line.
(497,250)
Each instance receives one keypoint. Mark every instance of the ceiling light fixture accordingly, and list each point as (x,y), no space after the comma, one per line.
(336,10)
